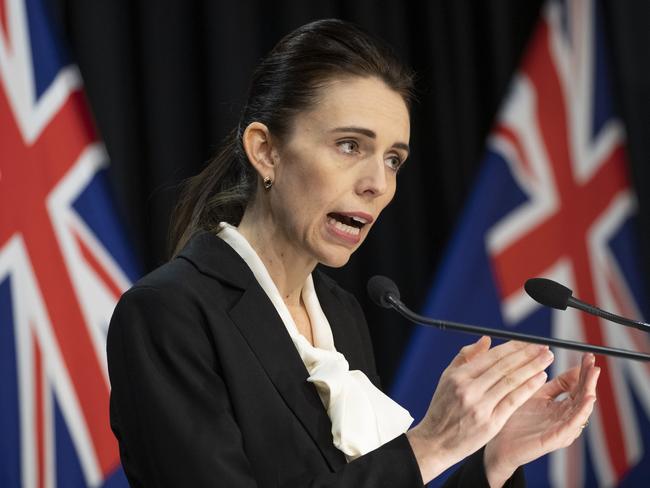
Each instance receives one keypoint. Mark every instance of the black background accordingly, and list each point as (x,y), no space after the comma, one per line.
(166,80)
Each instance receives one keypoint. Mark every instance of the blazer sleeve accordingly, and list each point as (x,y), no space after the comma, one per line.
(169,406)
(171,413)
(472,474)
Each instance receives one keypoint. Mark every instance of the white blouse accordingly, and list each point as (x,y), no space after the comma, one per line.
(363,418)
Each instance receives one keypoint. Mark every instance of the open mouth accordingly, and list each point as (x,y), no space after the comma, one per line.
(349,224)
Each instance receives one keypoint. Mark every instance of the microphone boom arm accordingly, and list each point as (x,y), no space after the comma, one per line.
(403,310)
(599,312)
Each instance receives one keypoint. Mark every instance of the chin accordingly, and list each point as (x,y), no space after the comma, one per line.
(335,260)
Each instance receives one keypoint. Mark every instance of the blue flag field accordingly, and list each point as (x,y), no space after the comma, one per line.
(552,199)
(64,262)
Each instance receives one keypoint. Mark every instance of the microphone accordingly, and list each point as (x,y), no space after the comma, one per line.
(384,292)
(552,294)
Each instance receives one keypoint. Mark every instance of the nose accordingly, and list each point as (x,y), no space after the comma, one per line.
(373,180)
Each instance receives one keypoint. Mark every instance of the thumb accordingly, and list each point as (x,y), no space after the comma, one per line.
(561,384)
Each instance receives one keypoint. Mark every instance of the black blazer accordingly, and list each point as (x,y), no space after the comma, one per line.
(208,389)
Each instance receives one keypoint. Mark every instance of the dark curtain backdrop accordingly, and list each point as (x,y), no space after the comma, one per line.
(166,80)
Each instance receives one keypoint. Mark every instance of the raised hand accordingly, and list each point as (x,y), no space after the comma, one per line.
(544,424)
(476,395)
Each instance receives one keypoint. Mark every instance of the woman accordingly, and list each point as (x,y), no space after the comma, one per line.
(238,364)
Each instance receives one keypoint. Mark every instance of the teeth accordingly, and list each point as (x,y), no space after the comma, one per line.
(360,220)
(348,229)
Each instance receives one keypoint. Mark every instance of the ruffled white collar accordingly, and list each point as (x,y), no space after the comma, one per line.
(363,418)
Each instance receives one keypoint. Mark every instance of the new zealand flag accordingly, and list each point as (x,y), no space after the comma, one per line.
(64,263)
(552,199)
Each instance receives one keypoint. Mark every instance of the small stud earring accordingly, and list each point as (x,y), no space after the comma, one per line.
(268,182)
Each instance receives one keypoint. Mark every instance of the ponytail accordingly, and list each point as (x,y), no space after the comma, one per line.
(218,193)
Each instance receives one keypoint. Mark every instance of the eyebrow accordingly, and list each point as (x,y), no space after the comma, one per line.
(371,134)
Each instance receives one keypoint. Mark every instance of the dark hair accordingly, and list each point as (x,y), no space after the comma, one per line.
(285,83)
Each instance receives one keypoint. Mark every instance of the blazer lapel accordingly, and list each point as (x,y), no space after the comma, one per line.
(267,336)
(262,328)
(345,333)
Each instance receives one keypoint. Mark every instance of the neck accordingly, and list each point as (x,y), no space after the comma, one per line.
(286,264)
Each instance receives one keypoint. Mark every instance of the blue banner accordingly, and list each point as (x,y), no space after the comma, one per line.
(552,199)
(64,262)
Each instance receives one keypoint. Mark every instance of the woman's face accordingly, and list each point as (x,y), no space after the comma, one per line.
(337,169)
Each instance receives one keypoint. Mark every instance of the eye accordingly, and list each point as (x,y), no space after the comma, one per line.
(348,146)
(394,163)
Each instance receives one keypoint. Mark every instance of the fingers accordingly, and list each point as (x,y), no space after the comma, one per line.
(562,383)
(494,374)
(579,420)
(585,404)
(570,429)
(586,368)
(507,405)
(572,381)
(517,383)
(469,352)
(590,381)
(485,361)
(514,369)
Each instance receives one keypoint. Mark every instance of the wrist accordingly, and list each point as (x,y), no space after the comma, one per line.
(429,458)
(496,471)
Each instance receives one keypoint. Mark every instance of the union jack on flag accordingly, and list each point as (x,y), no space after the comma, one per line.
(64,263)
(553,199)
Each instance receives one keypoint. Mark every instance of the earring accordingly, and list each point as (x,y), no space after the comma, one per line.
(268,182)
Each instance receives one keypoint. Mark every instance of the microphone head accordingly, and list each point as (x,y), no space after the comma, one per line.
(379,287)
(548,292)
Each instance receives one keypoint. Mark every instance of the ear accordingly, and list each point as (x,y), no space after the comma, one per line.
(259,149)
